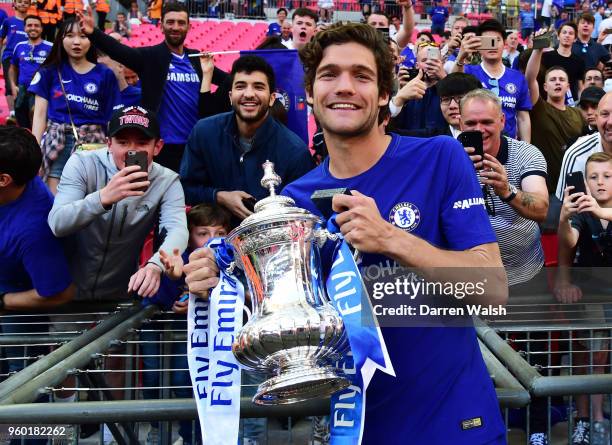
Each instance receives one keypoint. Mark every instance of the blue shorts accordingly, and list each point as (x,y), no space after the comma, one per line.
(55,171)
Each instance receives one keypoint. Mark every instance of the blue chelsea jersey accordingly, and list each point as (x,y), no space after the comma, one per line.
(12,31)
(92,96)
(512,90)
(178,112)
(441,385)
(28,58)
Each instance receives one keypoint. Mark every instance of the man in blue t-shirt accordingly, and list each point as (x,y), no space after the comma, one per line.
(11,33)
(414,203)
(27,57)
(34,274)
(438,15)
(508,84)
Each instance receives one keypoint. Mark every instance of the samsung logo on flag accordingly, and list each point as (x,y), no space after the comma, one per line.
(467,203)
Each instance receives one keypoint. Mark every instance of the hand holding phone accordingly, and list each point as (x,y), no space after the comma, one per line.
(140,159)
(575,179)
(472,142)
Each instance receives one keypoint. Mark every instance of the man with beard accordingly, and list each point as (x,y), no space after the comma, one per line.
(224,153)
(170,79)
(26,59)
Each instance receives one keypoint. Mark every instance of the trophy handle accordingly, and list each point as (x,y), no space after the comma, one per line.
(321,236)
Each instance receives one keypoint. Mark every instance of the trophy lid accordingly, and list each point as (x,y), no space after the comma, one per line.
(274,207)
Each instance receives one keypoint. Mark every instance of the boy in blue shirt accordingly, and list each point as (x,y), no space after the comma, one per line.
(405,210)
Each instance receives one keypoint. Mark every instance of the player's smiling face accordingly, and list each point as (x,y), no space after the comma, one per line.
(345,92)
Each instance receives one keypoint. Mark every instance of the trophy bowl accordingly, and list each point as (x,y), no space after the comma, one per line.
(294,334)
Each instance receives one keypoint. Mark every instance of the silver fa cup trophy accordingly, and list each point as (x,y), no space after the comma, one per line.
(295,334)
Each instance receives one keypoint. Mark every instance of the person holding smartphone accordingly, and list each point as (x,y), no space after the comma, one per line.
(107,209)
(508,84)
(584,226)
(422,113)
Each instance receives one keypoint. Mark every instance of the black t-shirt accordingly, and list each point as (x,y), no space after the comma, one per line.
(573,64)
(594,243)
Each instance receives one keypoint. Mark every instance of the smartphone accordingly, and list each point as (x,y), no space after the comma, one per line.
(412,73)
(472,139)
(384,32)
(607,31)
(487,42)
(541,42)
(249,203)
(138,158)
(433,52)
(322,199)
(577,180)
(184,298)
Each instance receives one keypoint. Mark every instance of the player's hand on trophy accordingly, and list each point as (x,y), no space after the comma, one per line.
(201,273)
(360,222)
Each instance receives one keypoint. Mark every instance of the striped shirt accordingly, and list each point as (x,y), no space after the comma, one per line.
(575,158)
(518,237)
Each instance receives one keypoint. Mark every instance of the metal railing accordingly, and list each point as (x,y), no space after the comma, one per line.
(125,341)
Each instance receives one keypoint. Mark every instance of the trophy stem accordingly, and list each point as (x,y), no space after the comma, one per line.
(299,380)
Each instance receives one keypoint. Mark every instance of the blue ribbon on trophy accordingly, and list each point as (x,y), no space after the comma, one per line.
(348,295)
(212,326)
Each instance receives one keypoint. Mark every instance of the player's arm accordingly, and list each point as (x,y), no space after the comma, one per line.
(363,227)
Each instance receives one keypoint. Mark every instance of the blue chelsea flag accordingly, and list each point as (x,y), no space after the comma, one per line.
(290,91)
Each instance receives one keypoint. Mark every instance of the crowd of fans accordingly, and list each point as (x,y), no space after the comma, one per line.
(122,139)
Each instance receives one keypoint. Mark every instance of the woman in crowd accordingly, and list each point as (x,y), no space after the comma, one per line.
(74,94)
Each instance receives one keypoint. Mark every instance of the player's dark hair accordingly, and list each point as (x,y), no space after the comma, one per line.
(279,10)
(20,155)
(360,33)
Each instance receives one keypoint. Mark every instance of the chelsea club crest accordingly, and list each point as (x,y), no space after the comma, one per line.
(91,88)
(405,215)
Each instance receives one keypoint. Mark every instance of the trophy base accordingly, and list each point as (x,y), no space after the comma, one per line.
(299,382)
